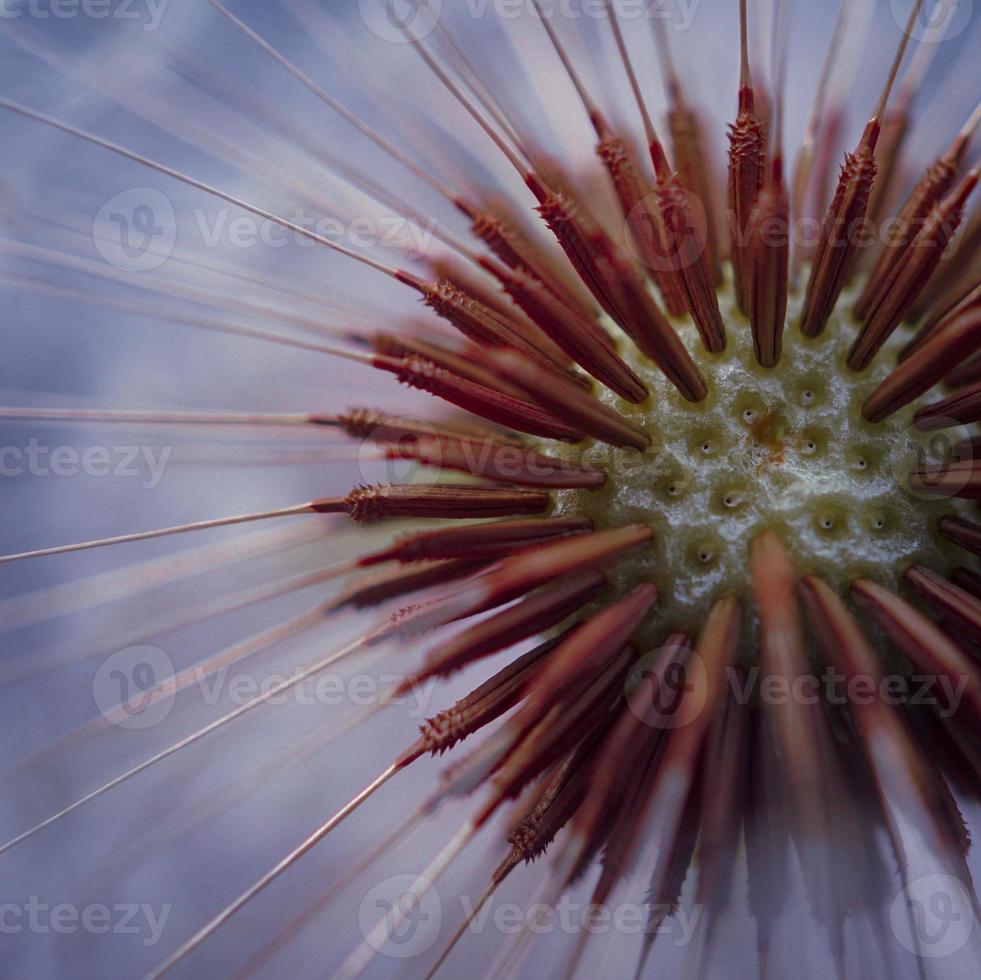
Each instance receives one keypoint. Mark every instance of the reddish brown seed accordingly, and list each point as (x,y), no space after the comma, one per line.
(536,614)
(967,374)
(686,251)
(368,504)
(481,542)
(901,776)
(926,646)
(565,222)
(481,706)
(932,186)
(517,252)
(460,364)
(961,408)
(475,321)
(747,168)
(747,156)
(961,478)
(939,319)
(471,283)
(968,580)
(694,165)
(769,257)
(366,423)
(378,587)
(503,464)
(680,255)
(594,644)
(948,284)
(516,576)
(647,328)
(645,221)
(724,794)
(804,738)
(558,800)
(580,409)
(895,127)
(962,532)
(949,602)
(513,413)
(925,368)
(669,792)
(579,339)
(689,150)
(840,231)
(543,737)
(910,274)
(636,734)
(650,331)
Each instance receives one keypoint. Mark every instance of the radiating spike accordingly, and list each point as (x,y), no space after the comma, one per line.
(502,464)
(961,408)
(536,614)
(910,791)
(932,186)
(747,156)
(926,367)
(582,410)
(580,339)
(926,646)
(948,601)
(513,413)
(962,532)
(937,320)
(838,244)
(910,274)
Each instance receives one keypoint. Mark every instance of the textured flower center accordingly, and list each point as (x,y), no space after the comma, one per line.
(785,449)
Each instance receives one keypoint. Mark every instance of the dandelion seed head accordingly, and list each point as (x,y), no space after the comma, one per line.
(784,449)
